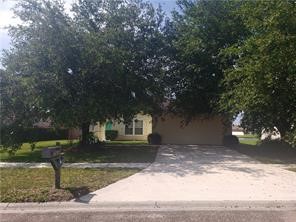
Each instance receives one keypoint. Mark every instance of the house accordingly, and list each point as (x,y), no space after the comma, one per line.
(138,129)
(172,129)
(200,130)
(237,130)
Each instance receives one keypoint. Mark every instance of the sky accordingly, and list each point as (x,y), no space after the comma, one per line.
(7,17)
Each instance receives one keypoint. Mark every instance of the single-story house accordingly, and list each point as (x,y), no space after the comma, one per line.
(237,130)
(200,130)
(138,129)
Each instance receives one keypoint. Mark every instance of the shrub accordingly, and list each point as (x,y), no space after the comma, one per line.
(91,138)
(154,139)
(291,138)
(12,137)
(33,134)
(42,134)
(111,134)
(230,141)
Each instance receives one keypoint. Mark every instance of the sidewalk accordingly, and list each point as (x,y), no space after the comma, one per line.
(75,165)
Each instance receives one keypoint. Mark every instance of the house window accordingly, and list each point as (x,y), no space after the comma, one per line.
(134,128)
(129,129)
(138,127)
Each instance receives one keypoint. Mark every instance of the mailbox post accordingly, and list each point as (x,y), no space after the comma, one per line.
(55,156)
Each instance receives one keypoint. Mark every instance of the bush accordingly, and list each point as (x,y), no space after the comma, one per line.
(13,137)
(33,134)
(291,138)
(111,134)
(43,134)
(154,139)
(230,141)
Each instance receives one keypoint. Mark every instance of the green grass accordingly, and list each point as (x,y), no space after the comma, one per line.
(118,153)
(25,154)
(249,141)
(36,185)
(270,152)
(127,142)
(114,154)
(248,136)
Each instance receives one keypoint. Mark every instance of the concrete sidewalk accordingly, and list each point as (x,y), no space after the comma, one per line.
(201,173)
(75,165)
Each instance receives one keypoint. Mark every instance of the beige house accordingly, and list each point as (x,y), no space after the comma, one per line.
(138,129)
(200,130)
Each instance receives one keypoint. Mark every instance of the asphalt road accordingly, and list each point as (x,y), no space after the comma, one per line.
(155,216)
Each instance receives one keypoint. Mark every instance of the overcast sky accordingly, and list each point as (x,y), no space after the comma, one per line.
(6,16)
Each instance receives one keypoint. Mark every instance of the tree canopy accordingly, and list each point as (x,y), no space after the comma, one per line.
(115,58)
(201,29)
(103,61)
(262,84)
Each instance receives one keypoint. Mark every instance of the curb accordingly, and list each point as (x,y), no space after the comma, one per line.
(147,206)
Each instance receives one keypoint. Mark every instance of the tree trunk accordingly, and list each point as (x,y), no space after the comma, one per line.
(85,133)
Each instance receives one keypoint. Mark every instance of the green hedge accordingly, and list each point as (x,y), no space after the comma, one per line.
(33,134)
(111,134)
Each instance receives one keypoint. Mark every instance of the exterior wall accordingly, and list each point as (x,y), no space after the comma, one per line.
(147,128)
(238,133)
(198,131)
(99,129)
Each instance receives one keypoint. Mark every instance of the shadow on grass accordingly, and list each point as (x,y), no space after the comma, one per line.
(78,191)
(112,154)
(270,152)
(98,153)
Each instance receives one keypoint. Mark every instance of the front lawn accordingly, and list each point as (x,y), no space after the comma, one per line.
(25,154)
(108,153)
(272,152)
(127,142)
(249,139)
(36,185)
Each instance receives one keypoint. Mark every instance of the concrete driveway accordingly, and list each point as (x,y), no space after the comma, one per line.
(201,173)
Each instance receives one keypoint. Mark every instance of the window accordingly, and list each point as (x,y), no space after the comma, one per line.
(129,129)
(134,128)
(138,127)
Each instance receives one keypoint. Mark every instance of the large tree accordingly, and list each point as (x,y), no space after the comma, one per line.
(262,84)
(197,34)
(101,62)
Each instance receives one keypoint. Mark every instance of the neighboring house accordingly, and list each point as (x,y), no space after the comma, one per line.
(138,129)
(237,131)
(199,130)
(270,135)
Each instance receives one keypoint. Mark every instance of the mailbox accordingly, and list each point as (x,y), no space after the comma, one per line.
(51,152)
(55,156)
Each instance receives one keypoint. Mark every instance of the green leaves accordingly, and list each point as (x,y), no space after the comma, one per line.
(262,83)
(202,30)
(86,67)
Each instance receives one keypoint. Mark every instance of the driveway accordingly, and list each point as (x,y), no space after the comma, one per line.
(201,173)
